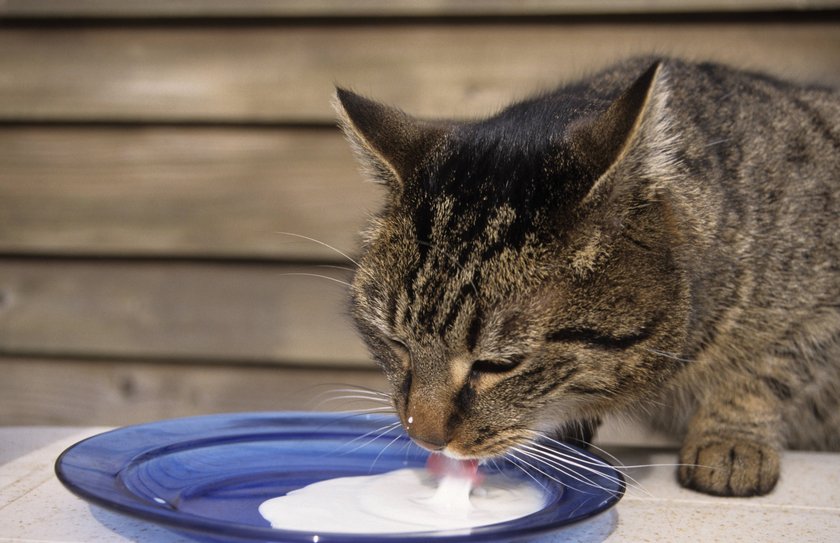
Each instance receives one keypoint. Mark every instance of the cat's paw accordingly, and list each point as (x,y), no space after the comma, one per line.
(728,466)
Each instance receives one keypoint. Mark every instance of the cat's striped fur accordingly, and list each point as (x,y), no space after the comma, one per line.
(661,238)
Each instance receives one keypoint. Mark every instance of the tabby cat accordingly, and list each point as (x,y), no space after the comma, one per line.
(660,239)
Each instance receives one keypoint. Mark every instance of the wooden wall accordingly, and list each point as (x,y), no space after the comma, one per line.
(152,153)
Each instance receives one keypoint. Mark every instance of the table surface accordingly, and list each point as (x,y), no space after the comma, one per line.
(805,506)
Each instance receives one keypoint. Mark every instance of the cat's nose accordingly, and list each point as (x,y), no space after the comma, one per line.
(430,444)
(425,430)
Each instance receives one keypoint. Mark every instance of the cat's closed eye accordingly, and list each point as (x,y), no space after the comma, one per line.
(596,338)
(494,366)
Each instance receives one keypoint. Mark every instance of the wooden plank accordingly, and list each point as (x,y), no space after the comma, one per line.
(74,392)
(285,73)
(221,192)
(173,311)
(385,8)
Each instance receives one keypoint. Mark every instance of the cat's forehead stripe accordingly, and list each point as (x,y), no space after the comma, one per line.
(447,272)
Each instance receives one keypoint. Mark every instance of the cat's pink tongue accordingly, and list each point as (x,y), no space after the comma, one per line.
(442,466)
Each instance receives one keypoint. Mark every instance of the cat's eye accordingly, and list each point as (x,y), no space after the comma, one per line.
(484,366)
(595,338)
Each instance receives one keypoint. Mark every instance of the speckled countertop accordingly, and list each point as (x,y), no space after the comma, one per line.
(805,506)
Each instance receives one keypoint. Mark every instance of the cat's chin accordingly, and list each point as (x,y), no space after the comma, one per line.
(455,451)
(496,449)
(455,455)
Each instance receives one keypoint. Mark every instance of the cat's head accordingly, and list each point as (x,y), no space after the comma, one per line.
(524,270)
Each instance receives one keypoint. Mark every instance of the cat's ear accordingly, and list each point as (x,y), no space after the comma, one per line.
(390,143)
(628,150)
(603,141)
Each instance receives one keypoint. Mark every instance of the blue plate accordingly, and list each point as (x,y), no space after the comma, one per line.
(205,477)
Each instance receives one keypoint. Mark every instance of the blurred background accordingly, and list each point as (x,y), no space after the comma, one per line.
(156,155)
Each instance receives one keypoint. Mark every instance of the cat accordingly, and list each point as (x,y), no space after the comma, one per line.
(659,239)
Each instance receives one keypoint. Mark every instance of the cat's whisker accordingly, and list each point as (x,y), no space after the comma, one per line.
(355,390)
(718,142)
(512,452)
(568,447)
(379,432)
(619,465)
(360,393)
(353,394)
(332,267)
(319,242)
(569,467)
(666,354)
(407,450)
(370,411)
(362,388)
(493,462)
(383,451)
(552,457)
(567,471)
(361,410)
(351,400)
(303,274)
(646,403)
(581,459)
(382,430)
(371,399)
(372,395)
(342,416)
(513,461)
(350,403)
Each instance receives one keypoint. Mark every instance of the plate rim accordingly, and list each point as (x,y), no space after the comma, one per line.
(200,526)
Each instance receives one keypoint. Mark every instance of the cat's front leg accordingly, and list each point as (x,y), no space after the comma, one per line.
(732,445)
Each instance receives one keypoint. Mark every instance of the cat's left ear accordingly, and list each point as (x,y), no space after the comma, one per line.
(634,120)
(390,143)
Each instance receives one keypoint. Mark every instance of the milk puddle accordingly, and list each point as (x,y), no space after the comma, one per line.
(405,500)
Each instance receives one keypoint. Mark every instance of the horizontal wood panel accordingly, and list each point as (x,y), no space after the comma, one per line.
(269,73)
(186,192)
(107,393)
(73,392)
(174,311)
(361,8)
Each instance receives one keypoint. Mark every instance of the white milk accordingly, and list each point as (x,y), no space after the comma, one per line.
(406,500)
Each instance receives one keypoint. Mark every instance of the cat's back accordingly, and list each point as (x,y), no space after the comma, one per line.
(760,109)
(767,153)
(758,160)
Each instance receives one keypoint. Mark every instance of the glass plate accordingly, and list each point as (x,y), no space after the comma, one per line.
(205,477)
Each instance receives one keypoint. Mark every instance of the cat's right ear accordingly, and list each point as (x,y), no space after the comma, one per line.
(390,143)
(606,138)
